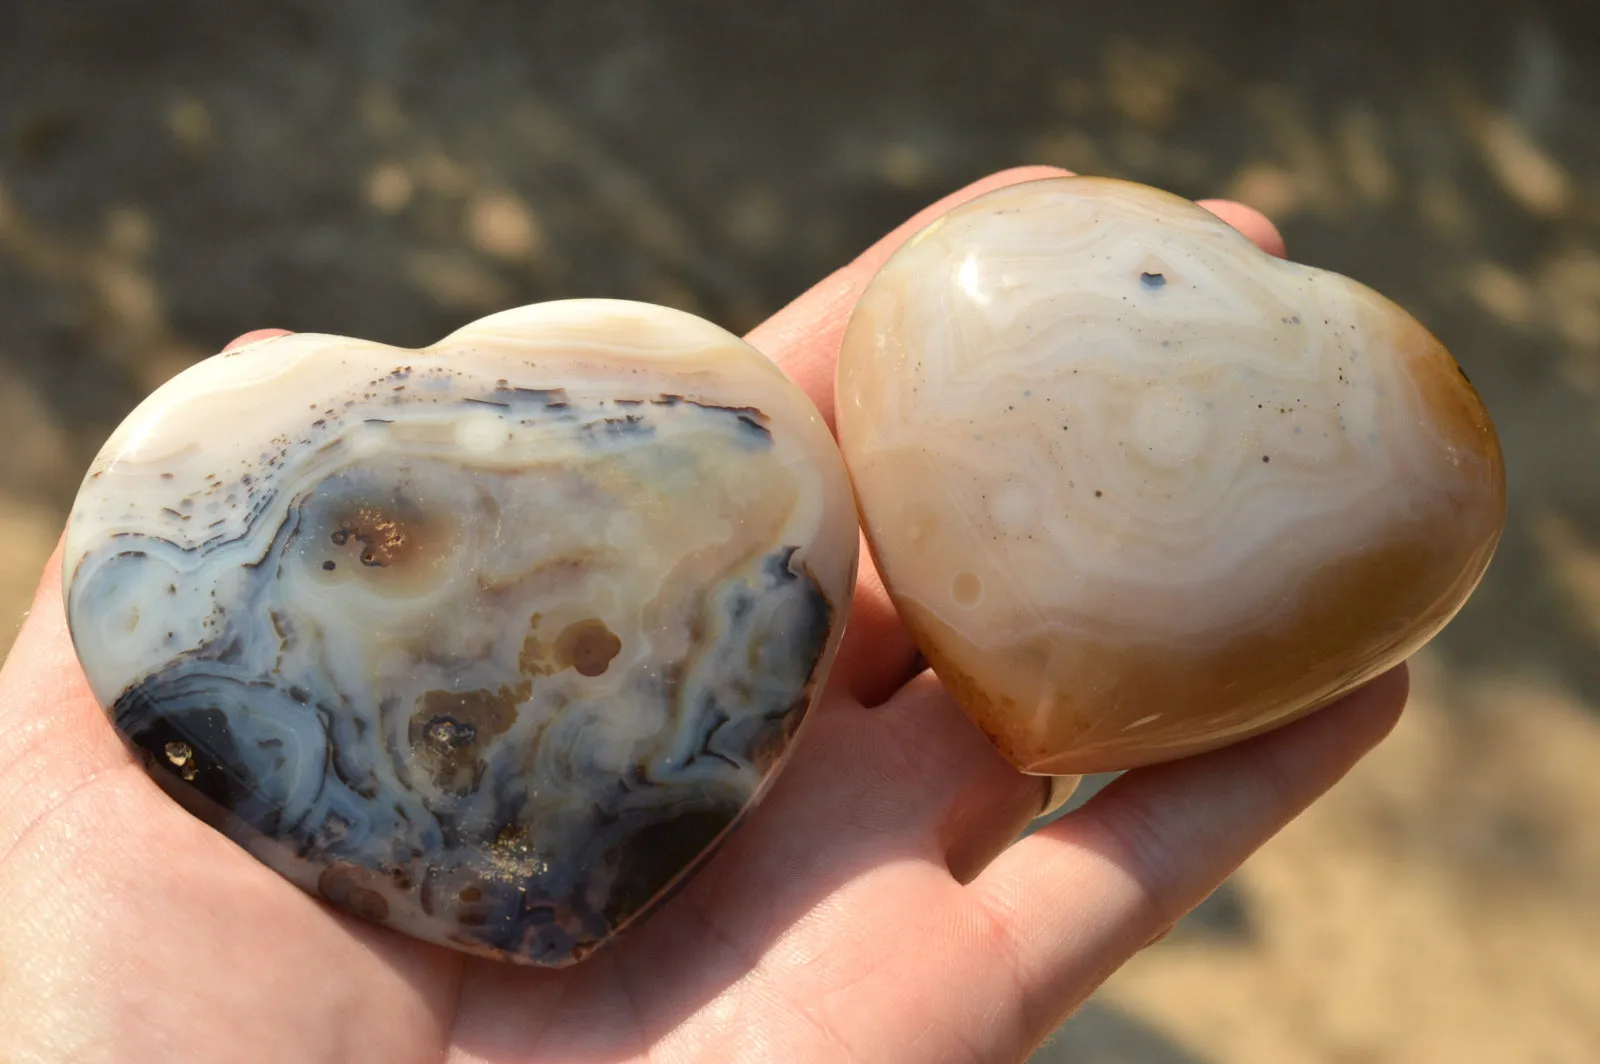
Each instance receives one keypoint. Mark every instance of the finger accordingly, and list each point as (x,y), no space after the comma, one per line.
(1251,222)
(804,338)
(1076,899)
(255,335)
(947,783)
(53,736)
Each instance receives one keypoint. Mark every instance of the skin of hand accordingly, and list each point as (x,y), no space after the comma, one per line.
(875,907)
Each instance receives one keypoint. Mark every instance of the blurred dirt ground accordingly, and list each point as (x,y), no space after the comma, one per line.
(172,175)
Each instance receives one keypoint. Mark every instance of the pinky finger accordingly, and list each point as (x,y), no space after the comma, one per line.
(255,335)
(1080,897)
(1251,222)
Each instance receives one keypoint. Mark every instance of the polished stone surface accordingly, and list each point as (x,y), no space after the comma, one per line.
(1140,489)
(491,641)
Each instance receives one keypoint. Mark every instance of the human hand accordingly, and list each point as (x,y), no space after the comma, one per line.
(872,908)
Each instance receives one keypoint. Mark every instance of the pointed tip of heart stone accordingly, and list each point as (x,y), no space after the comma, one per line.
(1141,489)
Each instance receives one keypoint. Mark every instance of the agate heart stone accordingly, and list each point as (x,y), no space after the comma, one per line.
(1140,489)
(492,641)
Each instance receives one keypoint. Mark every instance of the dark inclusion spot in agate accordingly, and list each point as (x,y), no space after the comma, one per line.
(587,646)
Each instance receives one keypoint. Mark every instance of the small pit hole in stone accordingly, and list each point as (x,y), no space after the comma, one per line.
(1153,280)
(967,589)
(588,646)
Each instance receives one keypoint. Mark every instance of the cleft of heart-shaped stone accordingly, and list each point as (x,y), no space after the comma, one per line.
(492,641)
(1140,489)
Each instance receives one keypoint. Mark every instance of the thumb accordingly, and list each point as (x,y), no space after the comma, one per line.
(53,736)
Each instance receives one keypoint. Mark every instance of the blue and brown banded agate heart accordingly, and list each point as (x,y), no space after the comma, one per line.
(491,642)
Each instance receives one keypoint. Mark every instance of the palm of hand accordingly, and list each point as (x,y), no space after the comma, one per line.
(869,908)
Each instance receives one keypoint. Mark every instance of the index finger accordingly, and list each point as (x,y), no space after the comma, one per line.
(804,337)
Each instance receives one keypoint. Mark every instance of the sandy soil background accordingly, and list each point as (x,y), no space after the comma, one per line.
(172,175)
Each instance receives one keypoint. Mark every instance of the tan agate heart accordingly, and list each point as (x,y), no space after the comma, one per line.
(1140,489)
